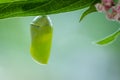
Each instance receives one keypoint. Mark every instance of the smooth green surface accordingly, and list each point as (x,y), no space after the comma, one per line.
(73,56)
(41,39)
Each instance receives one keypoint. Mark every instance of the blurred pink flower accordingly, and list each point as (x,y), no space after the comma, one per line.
(104,6)
(111,10)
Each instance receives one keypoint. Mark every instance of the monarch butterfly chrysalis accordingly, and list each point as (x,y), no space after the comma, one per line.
(41,35)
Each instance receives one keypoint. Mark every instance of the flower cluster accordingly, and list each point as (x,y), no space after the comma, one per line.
(110,8)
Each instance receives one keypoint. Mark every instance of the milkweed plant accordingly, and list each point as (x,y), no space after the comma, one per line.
(41,26)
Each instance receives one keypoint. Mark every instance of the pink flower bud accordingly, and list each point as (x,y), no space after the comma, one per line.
(118,8)
(117,17)
(110,16)
(99,7)
(107,2)
(111,13)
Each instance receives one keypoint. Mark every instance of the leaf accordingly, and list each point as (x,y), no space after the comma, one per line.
(109,38)
(6,1)
(41,35)
(40,7)
(91,9)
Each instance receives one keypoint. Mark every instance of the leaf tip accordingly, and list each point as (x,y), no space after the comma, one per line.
(80,20)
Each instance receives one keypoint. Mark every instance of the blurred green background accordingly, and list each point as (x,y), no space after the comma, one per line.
(74,54)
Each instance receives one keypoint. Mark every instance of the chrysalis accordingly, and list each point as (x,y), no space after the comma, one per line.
(41,35)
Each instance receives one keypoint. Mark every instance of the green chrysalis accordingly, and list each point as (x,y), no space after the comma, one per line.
(41,35)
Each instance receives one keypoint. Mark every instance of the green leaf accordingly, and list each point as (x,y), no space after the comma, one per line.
(91,9)
(109,38)
(7,1)
(40,7)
